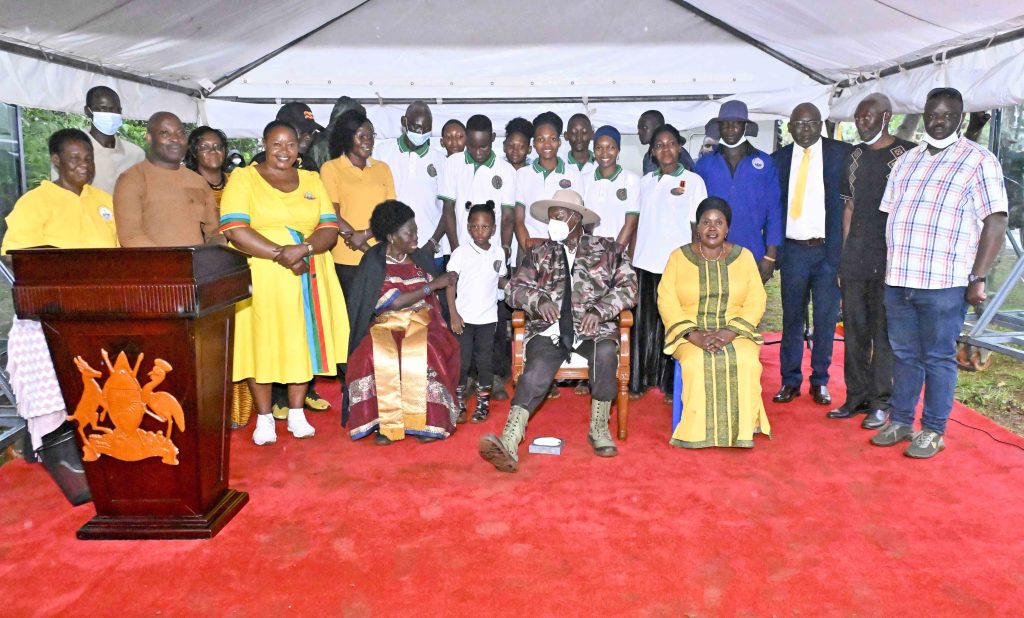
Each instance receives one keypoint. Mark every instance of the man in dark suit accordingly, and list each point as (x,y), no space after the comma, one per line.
(810,171)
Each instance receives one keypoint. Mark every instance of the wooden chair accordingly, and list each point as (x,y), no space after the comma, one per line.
(576,369)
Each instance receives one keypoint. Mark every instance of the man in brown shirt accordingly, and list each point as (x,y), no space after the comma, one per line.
(159,203)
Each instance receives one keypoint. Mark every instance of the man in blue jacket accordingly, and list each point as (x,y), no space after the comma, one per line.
(810,173)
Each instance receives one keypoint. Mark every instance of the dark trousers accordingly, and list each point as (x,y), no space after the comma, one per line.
(867,354)
(923,329)
(807,275)
(346,276)
(542,358)
(501,354)
(649,366)
(476,344)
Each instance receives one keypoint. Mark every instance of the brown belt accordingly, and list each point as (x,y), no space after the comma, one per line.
(810,242)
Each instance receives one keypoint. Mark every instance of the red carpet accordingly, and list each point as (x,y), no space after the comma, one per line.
(812,522)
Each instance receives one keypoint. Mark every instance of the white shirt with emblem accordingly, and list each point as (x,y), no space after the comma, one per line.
(668,207)
(612,199)
(476,294)
(534,183)
(416,174)
(463,180)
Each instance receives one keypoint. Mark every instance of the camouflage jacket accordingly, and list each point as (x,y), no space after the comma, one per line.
(603,281)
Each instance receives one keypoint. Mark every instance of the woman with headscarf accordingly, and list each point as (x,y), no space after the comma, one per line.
(711,299)
(404,363)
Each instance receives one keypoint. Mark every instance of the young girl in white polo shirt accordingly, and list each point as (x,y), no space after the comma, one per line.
(474,304)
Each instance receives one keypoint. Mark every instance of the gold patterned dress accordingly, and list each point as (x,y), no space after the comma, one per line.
(721,395)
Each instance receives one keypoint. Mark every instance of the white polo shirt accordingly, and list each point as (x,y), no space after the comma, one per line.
(585,169)
(476,294)
(612,199)
(464,180)
(668,206)
(416,174)
(811,223)
(534,183)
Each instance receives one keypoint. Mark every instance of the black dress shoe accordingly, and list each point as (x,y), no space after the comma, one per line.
(875,419)
(820,395)
(786,394)
(844,412)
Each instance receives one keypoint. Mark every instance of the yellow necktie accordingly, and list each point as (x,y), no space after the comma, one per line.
(797,207)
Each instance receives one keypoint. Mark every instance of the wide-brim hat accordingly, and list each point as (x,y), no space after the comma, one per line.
(731,111)
(564,198)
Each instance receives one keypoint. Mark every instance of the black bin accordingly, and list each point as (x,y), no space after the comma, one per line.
(62,458)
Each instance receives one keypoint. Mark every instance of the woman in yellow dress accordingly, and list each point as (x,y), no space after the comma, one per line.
(295,325)
(711,299)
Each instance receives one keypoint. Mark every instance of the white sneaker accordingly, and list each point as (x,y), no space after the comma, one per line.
(265,432)
(299,426)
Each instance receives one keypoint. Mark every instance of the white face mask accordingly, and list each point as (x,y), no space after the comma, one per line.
(106,123)
(417,139)
(940,144)
(874,139)
(743,140)
(558,231)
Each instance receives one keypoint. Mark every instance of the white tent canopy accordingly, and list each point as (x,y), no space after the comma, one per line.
(231,63)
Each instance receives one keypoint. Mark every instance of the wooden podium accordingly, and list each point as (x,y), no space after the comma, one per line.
(141,340)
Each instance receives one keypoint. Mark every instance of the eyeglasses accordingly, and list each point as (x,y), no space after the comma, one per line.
(802,124)
(210,148)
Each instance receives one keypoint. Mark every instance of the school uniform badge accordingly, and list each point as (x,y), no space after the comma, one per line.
(757,163)
(565,183)
(106,214)
(496,182)
(309,195)
(431,171)
(621,194)
(681,189)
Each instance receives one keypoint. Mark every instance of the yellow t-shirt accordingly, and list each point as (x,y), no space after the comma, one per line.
(52,215)
(356,192)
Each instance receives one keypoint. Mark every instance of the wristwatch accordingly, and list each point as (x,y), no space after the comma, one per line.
(972,278)
(309,249)
(426,290)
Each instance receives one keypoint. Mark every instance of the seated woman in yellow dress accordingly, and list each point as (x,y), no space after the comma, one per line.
(711,299)
(295,325)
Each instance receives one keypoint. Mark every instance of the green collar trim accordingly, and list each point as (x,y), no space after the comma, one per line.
(488,163)
(598,176)
(579,166)
(559,167)
(403,148)
(679,171)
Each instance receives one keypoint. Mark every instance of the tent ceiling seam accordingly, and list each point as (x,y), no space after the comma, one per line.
(477,100)
(233,75)
(40,53)
(932,58)
(760,45)
(920,19)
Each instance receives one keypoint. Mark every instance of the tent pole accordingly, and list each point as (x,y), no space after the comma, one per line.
(233,75)
(478,101)
(92,67)
(1006,37)
(746,38)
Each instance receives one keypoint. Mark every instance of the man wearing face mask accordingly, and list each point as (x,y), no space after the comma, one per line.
(416,169)
(112,154)
(746,178)
(867,364)
(947,219)
(572,288)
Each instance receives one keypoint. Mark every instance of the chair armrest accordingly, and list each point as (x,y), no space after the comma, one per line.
(519,319)
(625,318)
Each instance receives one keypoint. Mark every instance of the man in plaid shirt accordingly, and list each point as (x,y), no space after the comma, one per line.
(947,217)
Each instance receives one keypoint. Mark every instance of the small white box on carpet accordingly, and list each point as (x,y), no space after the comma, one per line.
(546,446)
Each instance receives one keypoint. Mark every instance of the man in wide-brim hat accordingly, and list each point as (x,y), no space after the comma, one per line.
(572,288)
